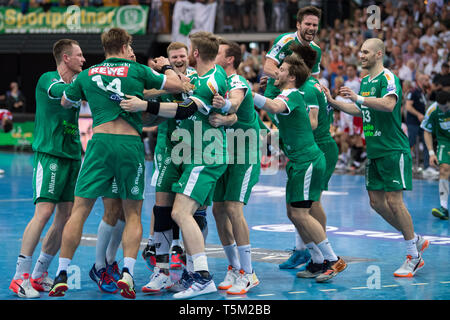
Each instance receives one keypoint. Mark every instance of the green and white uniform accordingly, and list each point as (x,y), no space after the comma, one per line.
(315,98)
(244,163)
(110,156)
(389,166)
(56,145)
(280,50)
(437,122)
(202,152)
(166,172)
(306,166)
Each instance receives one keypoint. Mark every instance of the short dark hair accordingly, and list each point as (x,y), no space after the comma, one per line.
(297,68)
(305,52)
(233,50)
(442,97)
(61,47)
(308,11)
(114,39)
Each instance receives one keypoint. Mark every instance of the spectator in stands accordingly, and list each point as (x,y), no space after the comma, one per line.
(411,53)
(441,81)
(429,37)
(15,100)
(338,75)
(408,71)
(434,67)
(416,104)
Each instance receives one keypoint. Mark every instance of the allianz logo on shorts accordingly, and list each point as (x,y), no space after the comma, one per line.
(135,190)
(53,167)
(51,186)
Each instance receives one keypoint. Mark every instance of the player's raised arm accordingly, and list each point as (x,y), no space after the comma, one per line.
(350,108)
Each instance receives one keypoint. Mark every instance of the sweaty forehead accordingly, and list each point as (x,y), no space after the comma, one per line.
(177,52)
(310,19)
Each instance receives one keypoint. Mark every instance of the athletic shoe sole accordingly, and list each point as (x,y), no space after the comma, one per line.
(438,214)
(243,291)
(59,290)
(337,268)
(125,290)
(148,290)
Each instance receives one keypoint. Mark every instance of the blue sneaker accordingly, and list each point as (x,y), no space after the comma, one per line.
(103,280)
(297,258)
(184,283)
(200,285)
(113,271)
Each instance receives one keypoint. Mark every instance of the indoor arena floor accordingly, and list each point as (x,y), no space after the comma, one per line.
(372,248)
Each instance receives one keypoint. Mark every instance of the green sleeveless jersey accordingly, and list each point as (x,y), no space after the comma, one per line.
(295,128)
(104,85)
(438,123)
(383,130)
(207,143)
(56,128)
(315,98)
(280,50)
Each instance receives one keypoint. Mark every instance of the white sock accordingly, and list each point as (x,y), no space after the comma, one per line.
(129,263)
(299,244)
(41,265)
(443,193)
(245,258)
(104,233)
(327,250)
(23,265)
(63,265)
(114,242)
(232,255)
(189,263)
(316,254)
(411,248)
(200,262)
(163,240)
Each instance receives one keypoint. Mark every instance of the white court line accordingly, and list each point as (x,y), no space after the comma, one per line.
(358,288)
(419,284)
(390,285)
(445,281)
(295,292)
(266,295)
(13,200)
(326,290)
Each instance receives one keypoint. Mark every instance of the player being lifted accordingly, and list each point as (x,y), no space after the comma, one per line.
(389,167)
(57,160)
(233,189)
(436,122)
(115,151)
(306,167)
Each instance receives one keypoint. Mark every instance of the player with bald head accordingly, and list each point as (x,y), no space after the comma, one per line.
(389,166)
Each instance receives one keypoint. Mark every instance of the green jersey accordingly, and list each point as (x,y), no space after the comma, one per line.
(56,128)
(280,50)
(383,130)
(205,140)
(437,122)
(104,85)
(246,113)
(295,128)
(315,98)
(166,128)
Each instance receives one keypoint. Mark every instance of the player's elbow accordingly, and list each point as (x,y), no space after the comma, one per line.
(173,84)
(186,109)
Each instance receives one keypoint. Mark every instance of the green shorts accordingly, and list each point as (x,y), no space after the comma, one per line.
(390,173)
(198,181)
(443,153)
(168,173)
(110,156)
(305,180)
(331,152)
(113,191)
(54,178)
(237,182)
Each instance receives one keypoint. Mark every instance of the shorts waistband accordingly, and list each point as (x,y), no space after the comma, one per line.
(116,136)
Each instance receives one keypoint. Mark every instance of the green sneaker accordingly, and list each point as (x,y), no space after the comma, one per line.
(440,213)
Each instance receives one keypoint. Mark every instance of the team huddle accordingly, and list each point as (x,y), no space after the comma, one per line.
(196,92)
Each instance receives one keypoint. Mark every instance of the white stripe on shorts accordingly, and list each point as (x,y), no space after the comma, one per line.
(245,182)
(156,173)
(402,170)
(39,177)
(307,182)
(193,177)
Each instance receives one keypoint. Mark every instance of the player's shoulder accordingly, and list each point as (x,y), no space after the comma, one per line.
(50,76)
(432,109)
(315,46)
(285,38)
(388,75)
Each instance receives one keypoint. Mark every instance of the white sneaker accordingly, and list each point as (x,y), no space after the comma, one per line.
(245,282)
(409,267)
(23,288)
(43,283)
(430,173)
(230,278)
(422,244)
(126,285)
(159,282)
(199,286)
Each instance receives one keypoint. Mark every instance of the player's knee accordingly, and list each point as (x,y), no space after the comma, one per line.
(163,218)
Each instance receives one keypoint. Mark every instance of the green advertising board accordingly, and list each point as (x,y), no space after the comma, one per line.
(21,135)
(74,19)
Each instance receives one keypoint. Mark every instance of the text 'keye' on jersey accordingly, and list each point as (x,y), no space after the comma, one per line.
(106,84)
(383,130)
